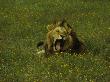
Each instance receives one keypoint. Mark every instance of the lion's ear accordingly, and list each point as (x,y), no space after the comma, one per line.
(61,23)
(50,27)
(68,27)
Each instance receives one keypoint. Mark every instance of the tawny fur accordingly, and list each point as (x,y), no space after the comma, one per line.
(62,28)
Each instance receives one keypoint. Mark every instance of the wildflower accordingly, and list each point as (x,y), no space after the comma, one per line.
(109,28)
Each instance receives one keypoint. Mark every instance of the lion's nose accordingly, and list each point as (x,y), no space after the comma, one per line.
(62,36)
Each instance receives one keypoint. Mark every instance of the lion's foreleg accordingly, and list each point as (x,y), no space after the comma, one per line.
(48,46)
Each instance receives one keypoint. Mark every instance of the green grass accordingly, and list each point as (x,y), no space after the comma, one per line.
(23,24)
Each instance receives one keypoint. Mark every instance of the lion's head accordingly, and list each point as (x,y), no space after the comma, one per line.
(60,34)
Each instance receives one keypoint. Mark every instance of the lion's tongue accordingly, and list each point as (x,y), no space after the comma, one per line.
(58,46)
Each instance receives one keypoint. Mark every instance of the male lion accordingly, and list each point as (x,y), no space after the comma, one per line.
(61,38)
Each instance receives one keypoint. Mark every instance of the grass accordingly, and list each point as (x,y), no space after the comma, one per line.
(23,24)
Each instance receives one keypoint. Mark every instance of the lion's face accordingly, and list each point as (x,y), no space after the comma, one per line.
(59,37)
(60,34)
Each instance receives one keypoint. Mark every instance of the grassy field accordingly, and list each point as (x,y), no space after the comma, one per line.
(23,24)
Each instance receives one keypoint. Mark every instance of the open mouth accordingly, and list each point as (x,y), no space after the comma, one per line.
(59,44)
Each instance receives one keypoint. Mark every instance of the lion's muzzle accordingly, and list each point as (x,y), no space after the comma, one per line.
(59,44)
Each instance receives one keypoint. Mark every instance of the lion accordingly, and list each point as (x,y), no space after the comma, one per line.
(61,38)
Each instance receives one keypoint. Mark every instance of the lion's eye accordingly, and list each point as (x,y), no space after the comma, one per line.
(58,31)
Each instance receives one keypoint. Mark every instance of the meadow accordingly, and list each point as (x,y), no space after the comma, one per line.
(23,24)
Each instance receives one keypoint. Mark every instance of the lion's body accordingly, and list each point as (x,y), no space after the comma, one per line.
(60,38)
